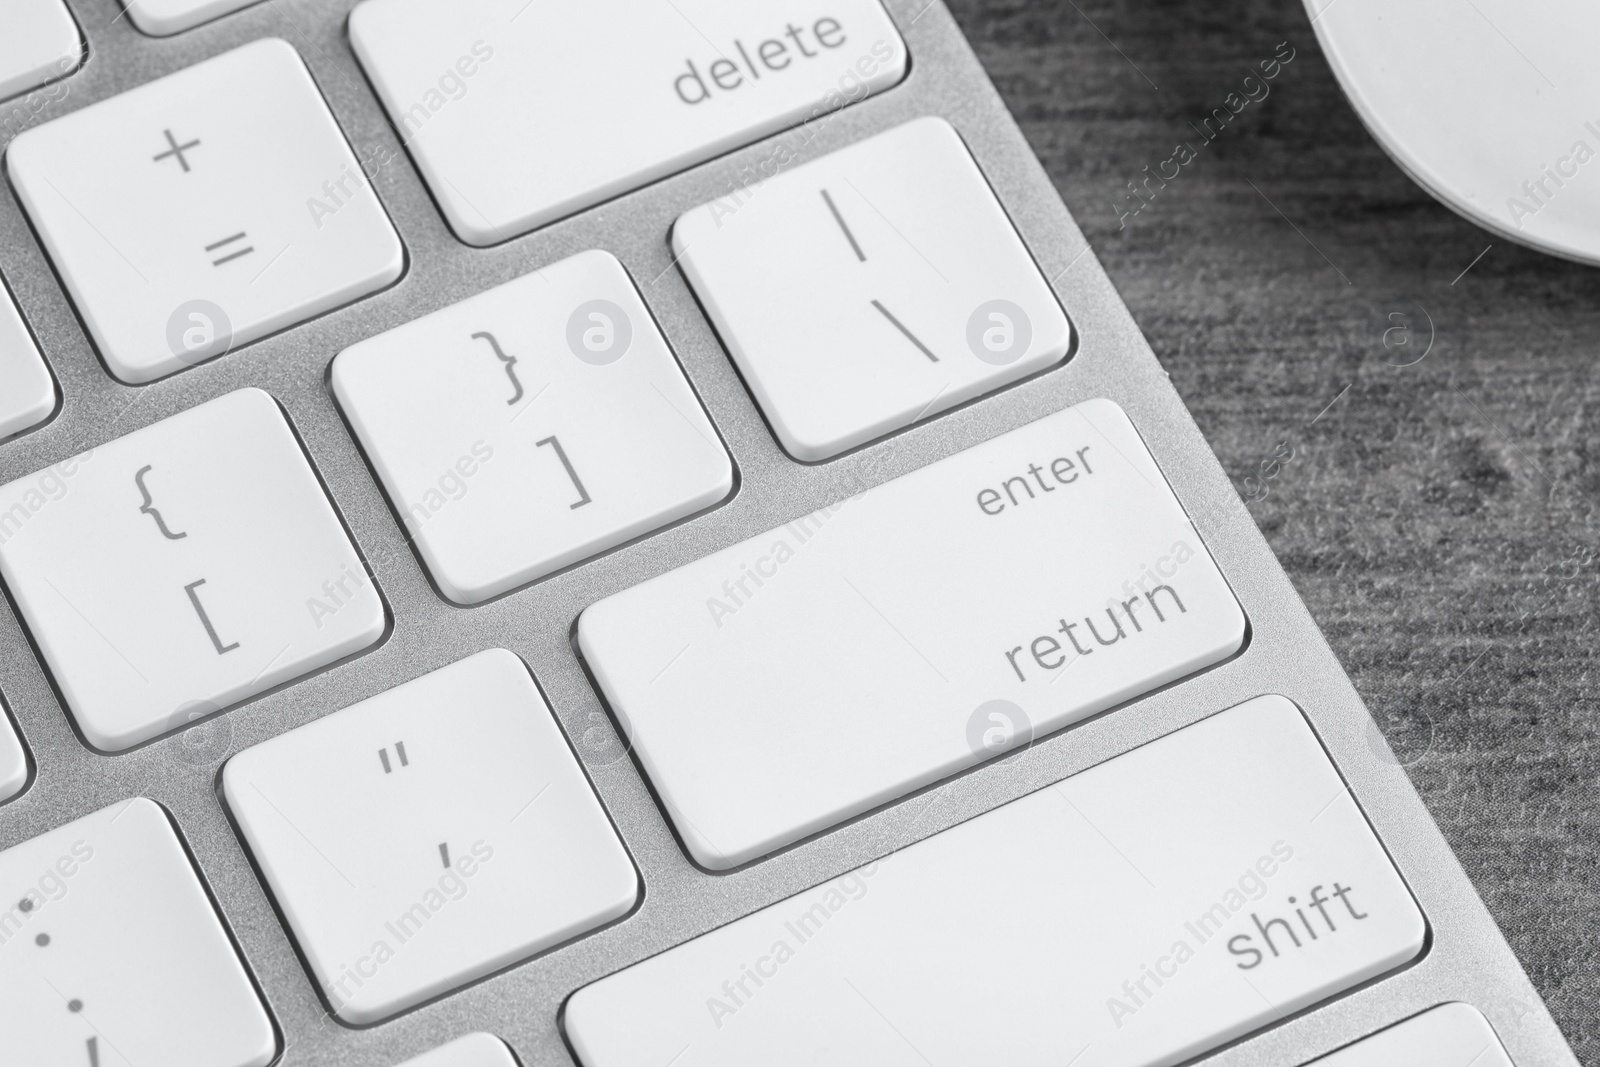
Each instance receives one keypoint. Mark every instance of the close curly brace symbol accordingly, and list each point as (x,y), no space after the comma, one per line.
(509,361)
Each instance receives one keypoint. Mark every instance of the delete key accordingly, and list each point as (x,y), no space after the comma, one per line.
(513,127)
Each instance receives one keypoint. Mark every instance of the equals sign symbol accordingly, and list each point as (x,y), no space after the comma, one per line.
(245,251)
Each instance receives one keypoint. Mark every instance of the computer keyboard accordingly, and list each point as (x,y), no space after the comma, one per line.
(637,532)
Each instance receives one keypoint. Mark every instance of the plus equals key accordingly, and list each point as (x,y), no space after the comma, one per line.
(218,159)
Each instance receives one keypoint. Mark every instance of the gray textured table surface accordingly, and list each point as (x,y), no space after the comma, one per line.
(1441,520)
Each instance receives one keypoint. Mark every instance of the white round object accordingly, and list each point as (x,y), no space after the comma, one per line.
(1493,106)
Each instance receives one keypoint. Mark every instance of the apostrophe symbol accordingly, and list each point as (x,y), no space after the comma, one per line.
(509,361)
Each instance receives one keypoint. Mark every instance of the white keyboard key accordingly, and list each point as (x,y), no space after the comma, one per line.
(899,636)
(204,210)
(27,392)
(473,1050)
(429,836)
(531,426)
(40,42)
(1138,914)
(1451,1035)
(161,18)
(486,93)
(185,567)
(111,955)
(13,761)
(872,287)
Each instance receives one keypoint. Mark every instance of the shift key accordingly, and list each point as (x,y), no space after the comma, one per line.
(1139,914)
(816,671)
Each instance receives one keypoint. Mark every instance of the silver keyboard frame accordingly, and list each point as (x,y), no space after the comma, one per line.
(1467,958)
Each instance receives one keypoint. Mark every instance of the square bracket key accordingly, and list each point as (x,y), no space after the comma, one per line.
(204,210)
(531,426)
(185,567)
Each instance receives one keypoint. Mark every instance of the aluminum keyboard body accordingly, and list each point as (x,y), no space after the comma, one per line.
(1468,959)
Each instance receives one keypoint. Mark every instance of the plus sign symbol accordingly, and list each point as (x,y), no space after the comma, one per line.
(176,150)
